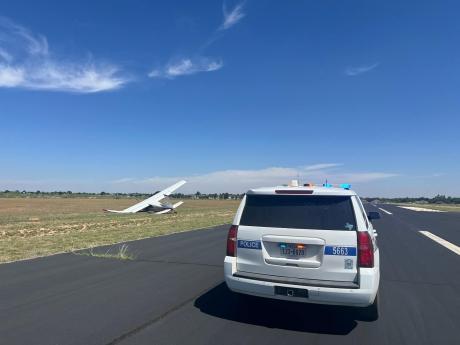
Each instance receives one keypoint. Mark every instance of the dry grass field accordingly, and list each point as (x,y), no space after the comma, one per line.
(31,227)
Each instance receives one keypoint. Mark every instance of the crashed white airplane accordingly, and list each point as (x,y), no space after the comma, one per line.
(153,203)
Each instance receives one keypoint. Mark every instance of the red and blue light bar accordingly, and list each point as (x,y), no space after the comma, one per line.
(342,185)
(309,191)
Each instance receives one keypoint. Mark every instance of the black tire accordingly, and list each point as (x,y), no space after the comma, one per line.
(371,313)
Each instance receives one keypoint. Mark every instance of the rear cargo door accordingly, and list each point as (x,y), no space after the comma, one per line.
(311,237)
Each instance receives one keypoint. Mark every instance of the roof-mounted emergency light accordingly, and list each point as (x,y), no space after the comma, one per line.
(345,186)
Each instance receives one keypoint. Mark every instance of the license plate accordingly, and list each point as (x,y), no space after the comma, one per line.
(291,249)
(291,292)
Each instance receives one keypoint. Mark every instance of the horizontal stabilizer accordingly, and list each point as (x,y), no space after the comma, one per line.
(176,205)
(164,211)
(114,211)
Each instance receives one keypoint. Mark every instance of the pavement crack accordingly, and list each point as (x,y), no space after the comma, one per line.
(149,323)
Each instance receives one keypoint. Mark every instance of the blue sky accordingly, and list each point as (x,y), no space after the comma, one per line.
(131,95)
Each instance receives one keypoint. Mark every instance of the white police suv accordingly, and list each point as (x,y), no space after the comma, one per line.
(308,243)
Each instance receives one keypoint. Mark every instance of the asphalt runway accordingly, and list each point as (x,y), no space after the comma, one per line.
(173,293)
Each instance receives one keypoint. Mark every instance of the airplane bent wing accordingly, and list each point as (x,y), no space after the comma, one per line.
(154,200)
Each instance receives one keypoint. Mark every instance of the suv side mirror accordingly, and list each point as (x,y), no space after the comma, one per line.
(373,215)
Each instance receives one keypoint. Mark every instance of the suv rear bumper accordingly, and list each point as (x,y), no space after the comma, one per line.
(362,296)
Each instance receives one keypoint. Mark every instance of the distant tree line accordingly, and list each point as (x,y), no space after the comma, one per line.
(70,194)
(438,199)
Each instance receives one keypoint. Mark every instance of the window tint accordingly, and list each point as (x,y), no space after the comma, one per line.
(304,212)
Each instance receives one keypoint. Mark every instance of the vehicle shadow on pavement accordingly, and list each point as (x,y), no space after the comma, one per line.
(222,303)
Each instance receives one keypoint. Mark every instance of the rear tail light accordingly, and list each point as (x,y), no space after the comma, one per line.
(231,240)
(365,250)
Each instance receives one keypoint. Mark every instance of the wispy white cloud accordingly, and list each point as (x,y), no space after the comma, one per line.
(357,70)
(239,181)
(366,183)
(363,177)
(26,62)
(5,56)
(321,166)
(186,67)
(35,44)
(232,17)
(189,66)
(11,76)
(232,180)
(124,180)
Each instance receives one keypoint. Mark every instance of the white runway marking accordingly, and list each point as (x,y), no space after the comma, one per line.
(442,242)
(387,212)
(420,209)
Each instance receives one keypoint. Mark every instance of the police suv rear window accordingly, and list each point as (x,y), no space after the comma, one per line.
(299,211)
